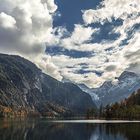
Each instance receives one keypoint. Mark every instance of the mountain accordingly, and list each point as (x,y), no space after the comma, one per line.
(89,91)
(110,93)
(126,109)
(25,90)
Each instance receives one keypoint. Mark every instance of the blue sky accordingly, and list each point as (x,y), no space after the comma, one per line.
(71,14)
(71,11)
(84,41)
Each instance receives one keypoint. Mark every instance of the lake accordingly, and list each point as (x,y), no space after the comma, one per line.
(41,129)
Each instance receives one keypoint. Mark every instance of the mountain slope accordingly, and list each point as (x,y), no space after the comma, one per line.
(24,87)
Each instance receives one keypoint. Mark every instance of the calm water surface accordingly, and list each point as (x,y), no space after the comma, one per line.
(46,130)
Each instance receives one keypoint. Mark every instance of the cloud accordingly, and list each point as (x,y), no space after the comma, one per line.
(25,25)
(81,34)
(111,57)
(108,9)
(47,66)
(26,29)
(7,21)
(50,5)
(78,37)
(111,68)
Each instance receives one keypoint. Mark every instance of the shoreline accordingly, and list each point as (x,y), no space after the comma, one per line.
(95,121)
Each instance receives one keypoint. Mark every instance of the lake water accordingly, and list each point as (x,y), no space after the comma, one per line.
(68,130)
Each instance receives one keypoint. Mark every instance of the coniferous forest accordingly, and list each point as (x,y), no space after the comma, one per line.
(128,109)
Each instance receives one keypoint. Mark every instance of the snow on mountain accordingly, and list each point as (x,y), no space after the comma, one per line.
(109,92)
(89,91)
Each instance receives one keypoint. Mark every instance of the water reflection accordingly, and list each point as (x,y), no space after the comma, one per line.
(44,130)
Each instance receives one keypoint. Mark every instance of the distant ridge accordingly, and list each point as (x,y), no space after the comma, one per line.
(109,93)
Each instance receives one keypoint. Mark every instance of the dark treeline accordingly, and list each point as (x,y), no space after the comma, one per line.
(126,109)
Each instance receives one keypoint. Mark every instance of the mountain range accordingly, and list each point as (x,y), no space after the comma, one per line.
(26,90)
(109,93)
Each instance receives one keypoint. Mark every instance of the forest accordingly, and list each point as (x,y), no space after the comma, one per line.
(127,109)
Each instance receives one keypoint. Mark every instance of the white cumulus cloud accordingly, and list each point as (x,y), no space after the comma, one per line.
(25,27)
(7,21)
(112,62)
